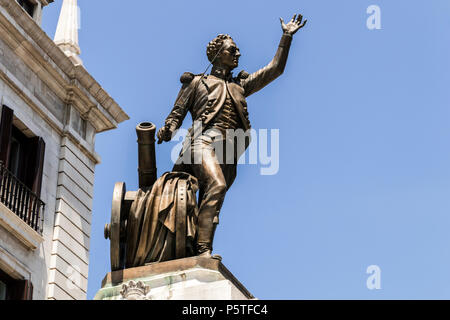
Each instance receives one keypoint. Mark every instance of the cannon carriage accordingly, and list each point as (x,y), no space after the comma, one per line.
(176,216)
(116,230)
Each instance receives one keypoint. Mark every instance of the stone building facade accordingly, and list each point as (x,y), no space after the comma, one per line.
(51,109)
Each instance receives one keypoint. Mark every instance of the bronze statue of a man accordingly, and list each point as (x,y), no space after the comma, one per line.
(217,102)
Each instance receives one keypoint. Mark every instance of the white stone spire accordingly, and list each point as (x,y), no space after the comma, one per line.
(66,36)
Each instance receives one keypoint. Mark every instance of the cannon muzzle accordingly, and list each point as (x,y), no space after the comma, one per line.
(146,154)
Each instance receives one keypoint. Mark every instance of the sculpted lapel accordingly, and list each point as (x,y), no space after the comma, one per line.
(217,92)
(237,95)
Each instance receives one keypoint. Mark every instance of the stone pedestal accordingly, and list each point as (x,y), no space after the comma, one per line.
(191,278)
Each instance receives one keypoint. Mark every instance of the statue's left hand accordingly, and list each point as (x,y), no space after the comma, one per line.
(294,25)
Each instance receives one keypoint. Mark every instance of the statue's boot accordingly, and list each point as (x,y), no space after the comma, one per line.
(206,230)
(208,216)
(211,256)
(205,239)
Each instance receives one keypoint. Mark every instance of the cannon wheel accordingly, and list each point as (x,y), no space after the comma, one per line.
(116,227)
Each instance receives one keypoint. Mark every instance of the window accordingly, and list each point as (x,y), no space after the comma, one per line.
(23,156)
(2,291)
(28,6)
(17,155)
(21,169)
(13,289)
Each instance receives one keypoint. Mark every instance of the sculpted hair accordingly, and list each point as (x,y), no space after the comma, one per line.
(215,45)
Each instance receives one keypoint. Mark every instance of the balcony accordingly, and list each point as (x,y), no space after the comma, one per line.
(21,200)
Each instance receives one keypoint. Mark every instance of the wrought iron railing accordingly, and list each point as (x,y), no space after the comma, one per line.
(18,198)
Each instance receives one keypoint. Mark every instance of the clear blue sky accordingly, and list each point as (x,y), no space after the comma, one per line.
(364,137)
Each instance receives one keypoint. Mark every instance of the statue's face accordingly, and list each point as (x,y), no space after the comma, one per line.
(229,56)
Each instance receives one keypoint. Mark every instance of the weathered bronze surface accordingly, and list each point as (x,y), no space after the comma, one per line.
(161,221)
(217,101)
(114,231)
(146,154)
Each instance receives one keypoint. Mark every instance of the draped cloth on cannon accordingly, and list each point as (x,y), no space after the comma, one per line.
(152,225)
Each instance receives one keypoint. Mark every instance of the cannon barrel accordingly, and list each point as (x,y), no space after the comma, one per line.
(146,154)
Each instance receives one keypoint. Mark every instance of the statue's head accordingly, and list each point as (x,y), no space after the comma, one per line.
(222,51)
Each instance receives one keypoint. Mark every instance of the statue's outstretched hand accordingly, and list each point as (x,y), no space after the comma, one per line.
(164,134)
(294,25)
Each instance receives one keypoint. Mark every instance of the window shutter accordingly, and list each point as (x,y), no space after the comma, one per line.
(28,292)
(20,290)
(36,164)
(5,133)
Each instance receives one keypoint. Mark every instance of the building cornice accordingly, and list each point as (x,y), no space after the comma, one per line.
(46,2)
(71,83)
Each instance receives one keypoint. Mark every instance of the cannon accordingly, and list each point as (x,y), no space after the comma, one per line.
(116,230)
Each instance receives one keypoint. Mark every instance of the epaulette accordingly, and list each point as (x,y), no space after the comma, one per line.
(243,75)
(187,77)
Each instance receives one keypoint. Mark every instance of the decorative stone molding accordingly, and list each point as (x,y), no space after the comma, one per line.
(12,266)
(135,291)
(193,278)
(17,227)
(57,70)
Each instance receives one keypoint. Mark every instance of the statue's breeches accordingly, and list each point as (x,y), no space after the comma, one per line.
(214,177)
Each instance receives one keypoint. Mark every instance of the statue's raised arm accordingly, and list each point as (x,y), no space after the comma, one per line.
(218,106)
(259,79)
